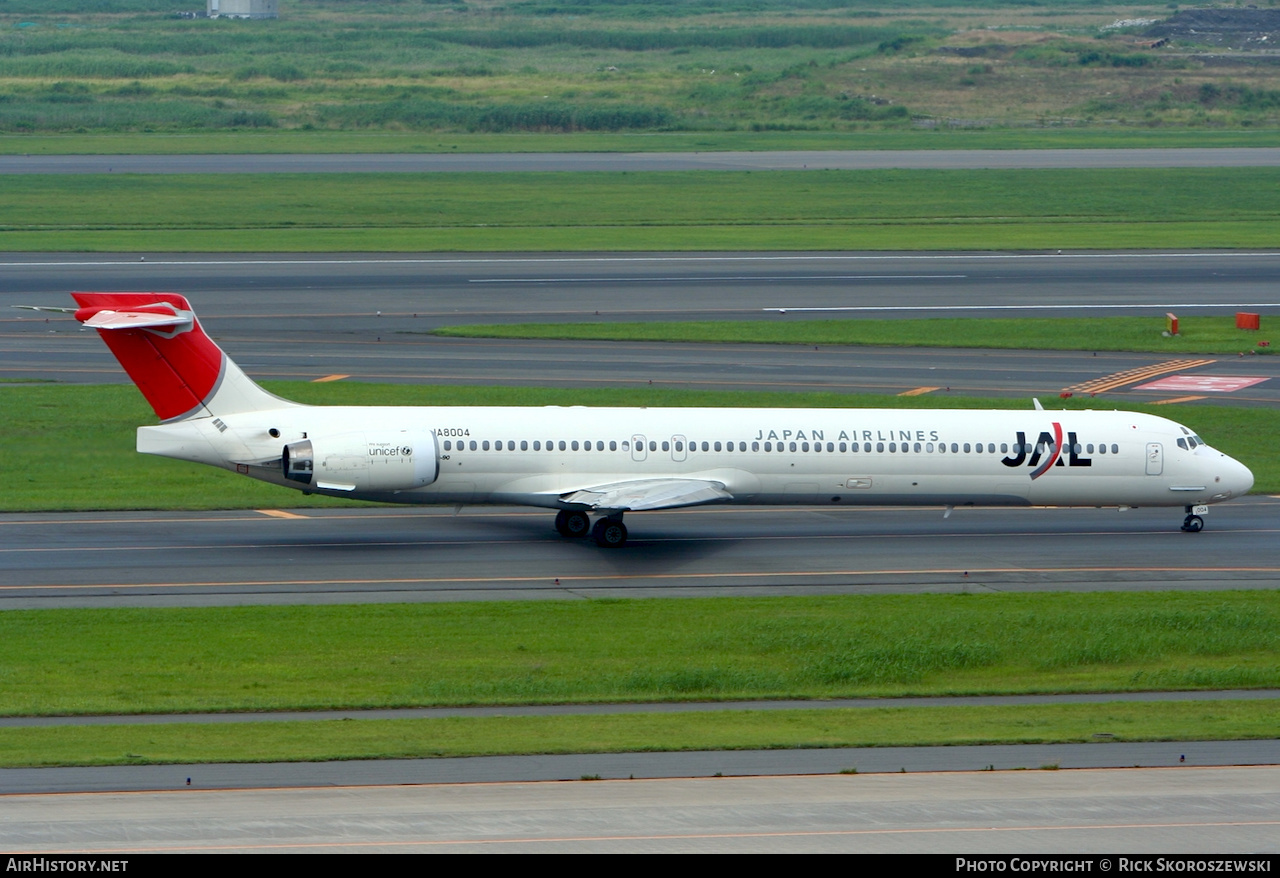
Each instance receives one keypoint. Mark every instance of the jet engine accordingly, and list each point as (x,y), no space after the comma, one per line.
(372,460)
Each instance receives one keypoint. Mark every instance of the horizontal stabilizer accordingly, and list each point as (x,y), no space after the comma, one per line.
(138,319)
(49,309)
(648,494)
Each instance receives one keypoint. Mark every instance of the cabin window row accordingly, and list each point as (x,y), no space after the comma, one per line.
(830,447)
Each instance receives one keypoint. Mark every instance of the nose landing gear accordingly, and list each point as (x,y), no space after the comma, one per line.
(1193,523)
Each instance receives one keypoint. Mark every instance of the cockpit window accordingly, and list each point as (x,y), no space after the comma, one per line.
(1182,443)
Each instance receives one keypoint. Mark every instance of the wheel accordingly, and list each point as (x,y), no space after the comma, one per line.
(1193,524)
(609,533)
(572,524)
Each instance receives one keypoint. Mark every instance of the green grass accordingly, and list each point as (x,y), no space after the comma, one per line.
(55,434)
(64,662)
(1205,335)
(718,730)
(735,68)
(814,210)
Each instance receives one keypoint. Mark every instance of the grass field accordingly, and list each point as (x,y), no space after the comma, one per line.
(807,210)
(1205,335)
(55,434)
(723,67)
(631,733)
(62,662)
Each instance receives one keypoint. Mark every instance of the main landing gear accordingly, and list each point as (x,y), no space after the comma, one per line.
(608,532)
(572,524)
(1193,523)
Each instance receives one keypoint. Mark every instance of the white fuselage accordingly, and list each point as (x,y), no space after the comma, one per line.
(540,456)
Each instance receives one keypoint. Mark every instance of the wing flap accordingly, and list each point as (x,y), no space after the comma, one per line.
(648,494)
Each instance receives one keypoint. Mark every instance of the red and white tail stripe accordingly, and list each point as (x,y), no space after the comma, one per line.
(159,342)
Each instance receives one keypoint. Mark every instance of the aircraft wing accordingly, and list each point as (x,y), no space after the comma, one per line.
(646,494)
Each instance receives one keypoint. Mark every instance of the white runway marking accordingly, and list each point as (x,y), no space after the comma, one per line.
(1084,306)
(716,279)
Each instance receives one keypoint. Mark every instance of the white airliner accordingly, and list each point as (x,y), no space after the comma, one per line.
(609,461)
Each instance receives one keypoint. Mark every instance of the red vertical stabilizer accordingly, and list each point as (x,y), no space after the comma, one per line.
(159,342)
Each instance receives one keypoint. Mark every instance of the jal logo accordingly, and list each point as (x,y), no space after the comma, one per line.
(1046,452)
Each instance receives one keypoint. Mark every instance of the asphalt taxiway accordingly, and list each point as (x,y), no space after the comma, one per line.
(368,317)
(1169,811)
(782,160)
(365,317)
(384,554)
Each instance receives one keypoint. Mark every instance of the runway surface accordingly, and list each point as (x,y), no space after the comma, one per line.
(393,555)
(966,159)
(366,318)
(307,318)
(1170,811)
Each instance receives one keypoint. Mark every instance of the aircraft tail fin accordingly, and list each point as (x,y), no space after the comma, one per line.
(180,370)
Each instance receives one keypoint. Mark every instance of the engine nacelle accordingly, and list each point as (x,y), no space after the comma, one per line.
(373,460)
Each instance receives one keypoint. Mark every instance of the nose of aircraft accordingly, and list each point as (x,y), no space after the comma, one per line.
(1236,478)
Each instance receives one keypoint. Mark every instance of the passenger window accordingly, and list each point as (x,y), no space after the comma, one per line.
(679,446)
(768,446)
(755,446)
(599,445)
(653,445)
(706,446)
(562,445)
(804,446)
(717,446)
(879,446)
(966,448)
(574,446)
(793,446)
(1115,449)
(666,445)
(524,444)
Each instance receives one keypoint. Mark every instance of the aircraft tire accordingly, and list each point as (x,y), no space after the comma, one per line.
(609,533)
(572,524)
(1193,524)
